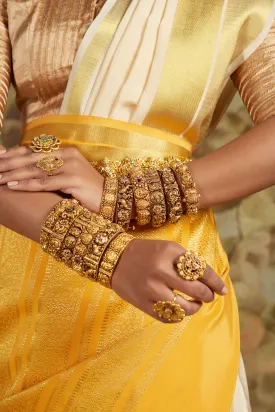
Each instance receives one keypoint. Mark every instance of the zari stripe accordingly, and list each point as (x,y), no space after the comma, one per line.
(212,69)
(22,310)
(35,311)
(65,393)
(79,324)
(91,51)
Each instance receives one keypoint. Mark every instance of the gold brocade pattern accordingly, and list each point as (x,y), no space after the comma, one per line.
(69,344)
(255,80)
(34,25)
(96,337)
(5,59)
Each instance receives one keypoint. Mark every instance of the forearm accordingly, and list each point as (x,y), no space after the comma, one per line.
(25,212)
(238,169)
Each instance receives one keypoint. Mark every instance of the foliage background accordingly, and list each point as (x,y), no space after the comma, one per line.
(247,229)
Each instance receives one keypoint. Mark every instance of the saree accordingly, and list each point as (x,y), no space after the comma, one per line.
(136,89)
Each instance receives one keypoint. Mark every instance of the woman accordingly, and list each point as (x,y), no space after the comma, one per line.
(115,79)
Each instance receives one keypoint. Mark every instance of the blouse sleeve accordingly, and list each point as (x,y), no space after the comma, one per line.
(255,80)
(5,59)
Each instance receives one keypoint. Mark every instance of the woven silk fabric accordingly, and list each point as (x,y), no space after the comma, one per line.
(68,344)
(77,345)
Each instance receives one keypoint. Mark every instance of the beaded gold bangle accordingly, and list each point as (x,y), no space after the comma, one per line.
(190,194)
(141,196)
(172,195)
(57,225)
(109,198)
(111,257)
(157,199)
(124,202)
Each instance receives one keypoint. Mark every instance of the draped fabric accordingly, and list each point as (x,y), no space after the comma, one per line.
(5,59)
(255,80)
(144,78)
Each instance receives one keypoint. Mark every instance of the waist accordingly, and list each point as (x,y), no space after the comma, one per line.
(98,138)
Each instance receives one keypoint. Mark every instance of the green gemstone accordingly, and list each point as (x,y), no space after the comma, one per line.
(45,140)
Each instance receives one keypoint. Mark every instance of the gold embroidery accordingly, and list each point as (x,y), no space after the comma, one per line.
(255,80)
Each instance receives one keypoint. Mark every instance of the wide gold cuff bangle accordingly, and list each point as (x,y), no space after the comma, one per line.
(77,240)
(157,198)
(109,198)
(111,257)
(172,195)
(124,202)
(57,225)
(97,248)
(141,196)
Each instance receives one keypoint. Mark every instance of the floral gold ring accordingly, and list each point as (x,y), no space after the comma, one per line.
(45,143)
(170,310)
(49,164)
(191,266)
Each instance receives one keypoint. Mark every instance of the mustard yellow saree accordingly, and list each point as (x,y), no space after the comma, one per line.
(145,78)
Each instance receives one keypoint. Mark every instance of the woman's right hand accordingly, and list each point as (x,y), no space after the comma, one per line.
(146,273)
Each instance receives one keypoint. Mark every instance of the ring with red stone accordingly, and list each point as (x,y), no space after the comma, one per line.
(191,266)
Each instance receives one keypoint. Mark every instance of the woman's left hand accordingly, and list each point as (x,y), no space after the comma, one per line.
(76,177)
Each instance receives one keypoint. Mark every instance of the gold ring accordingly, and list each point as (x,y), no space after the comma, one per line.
(49,164)
(45,143)
(170,311)
(191,266)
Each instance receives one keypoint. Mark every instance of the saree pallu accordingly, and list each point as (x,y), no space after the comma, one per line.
(136,89)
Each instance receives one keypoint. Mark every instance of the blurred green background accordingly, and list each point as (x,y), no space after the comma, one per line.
(247,229)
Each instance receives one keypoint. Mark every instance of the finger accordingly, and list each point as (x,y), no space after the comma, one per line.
(16,151)
(166,294)
(46,184)
(211,279)
(195,289)
(17,162)
(25,173)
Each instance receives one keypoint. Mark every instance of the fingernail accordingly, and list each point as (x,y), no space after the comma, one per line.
(2,152)
(224,291)
(11,184)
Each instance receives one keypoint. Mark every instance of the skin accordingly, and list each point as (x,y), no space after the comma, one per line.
(27,195)
(146,271)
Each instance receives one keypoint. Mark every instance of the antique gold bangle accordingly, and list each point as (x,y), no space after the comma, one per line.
(57,225)
(172,195)
(186,182)
(97,247)
(76,241)
(157,199)
(141,196)
(111,257)
(124,202)
(109,198)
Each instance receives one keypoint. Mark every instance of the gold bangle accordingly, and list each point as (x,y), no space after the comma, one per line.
(172,195)
(157,199)
(111,257)
(77,238)
(109,198)
(141,196)
(186,182)
(97,247)
(124,202)
(57,225)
